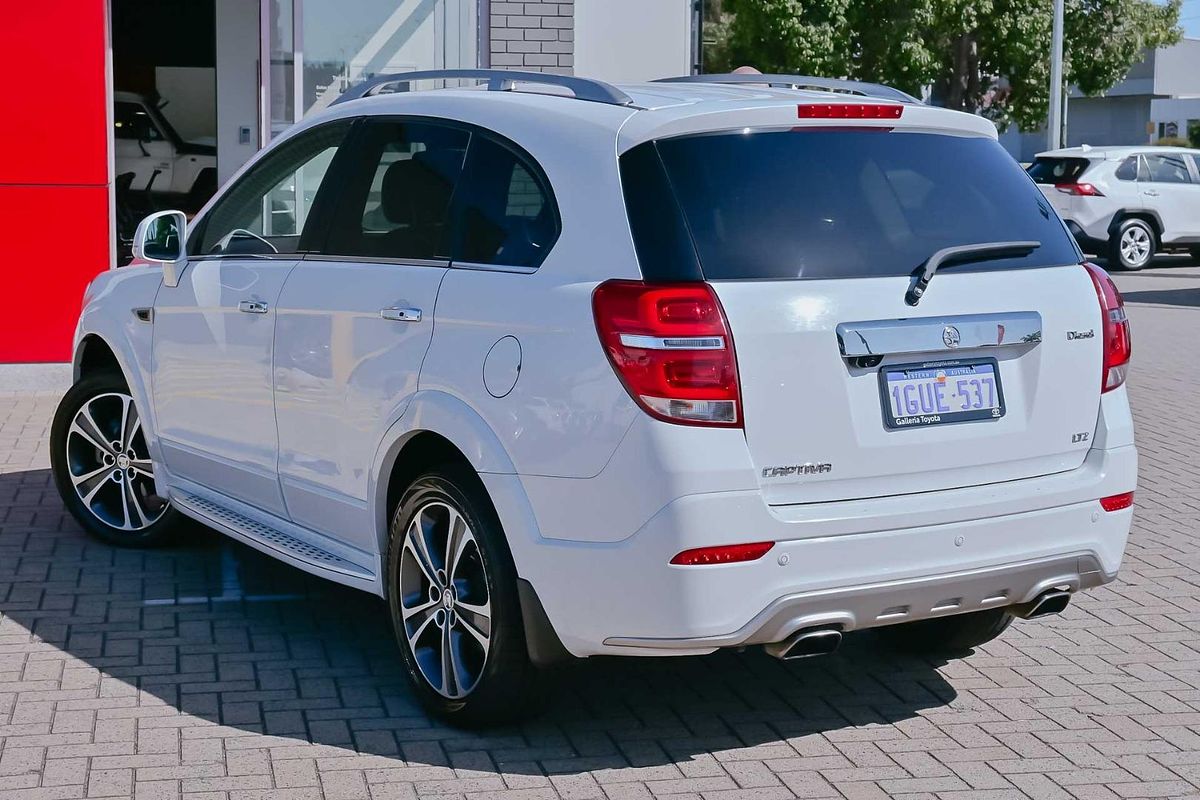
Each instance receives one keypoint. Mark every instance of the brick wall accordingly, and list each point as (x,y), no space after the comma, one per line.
(533,36)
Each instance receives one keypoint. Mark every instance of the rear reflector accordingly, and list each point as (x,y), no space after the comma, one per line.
(1117,502)
(1114,327)
(670,345)
(722,554)
(1079,189)
(849,111)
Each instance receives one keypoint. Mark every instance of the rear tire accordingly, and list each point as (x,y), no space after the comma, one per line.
(953,634)
(452,593)
(1133,245)
(102,468)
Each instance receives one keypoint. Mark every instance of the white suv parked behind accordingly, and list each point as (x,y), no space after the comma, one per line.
(651,370)
(1125,203)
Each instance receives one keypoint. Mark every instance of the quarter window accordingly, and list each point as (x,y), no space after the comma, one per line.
(266,211)
(504,213)
(1167,168)
(1128,171)
(396,202)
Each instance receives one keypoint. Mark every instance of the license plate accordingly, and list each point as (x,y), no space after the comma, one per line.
(920,395)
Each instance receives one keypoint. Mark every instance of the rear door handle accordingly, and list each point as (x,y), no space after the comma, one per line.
(1150,193)
(401,314)
(252,307)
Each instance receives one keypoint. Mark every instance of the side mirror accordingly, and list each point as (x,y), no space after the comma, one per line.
(160,239)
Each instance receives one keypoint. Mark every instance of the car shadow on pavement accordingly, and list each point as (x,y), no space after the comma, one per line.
(217,631)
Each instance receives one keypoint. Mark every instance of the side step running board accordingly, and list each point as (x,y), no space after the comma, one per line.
(270,538)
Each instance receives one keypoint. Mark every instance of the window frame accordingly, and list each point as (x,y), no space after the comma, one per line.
(318,215)
(523,156)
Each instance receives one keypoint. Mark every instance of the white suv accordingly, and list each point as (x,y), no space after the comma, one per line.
(1125,203)
(650,370)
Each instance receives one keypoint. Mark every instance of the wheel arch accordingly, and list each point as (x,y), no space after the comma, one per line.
(94,354)
(1148,216)
(438,428)
(435,427)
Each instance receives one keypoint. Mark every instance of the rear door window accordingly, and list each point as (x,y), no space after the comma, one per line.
(851,204)
(1167,168)
(396,200)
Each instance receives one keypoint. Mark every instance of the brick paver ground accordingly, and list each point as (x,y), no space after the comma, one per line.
(211,672)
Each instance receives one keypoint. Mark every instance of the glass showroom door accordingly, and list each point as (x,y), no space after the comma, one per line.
(319,48)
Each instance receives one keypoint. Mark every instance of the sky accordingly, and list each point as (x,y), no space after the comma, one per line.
(1190,18)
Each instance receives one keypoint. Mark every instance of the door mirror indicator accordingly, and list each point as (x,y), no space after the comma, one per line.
(160,239)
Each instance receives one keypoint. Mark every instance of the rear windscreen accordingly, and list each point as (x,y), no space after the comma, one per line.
(1057,170)
(831,204)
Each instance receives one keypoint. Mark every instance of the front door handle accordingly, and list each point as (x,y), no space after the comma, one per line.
(252,307)
(1150,193)
(401,314)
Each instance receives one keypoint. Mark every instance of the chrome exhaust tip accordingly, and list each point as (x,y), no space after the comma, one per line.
(806,644)
(1052,601)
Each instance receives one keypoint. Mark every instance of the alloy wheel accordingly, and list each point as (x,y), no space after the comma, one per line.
(444,599)
(109,463)
(1135,246)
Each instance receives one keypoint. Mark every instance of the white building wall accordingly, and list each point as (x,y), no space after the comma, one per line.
(237,84)
(632,40)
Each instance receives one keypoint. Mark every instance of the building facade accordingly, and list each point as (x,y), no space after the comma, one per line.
(1129,113)
(220,79)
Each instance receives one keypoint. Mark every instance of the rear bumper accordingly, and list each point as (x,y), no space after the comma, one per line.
(855,564)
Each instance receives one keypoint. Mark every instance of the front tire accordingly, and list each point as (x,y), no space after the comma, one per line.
(1133,245)
(453,601)
(954,634)
(102,467)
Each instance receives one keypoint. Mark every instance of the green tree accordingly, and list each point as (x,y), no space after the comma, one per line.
(986,56)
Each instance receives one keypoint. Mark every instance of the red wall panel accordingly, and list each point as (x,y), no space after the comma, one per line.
(55,122)
(53,240)
(54,173)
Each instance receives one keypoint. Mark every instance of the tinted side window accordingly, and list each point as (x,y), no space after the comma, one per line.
(130,121)
(1128,171)
(396,201)
(504,213)
(1167,168)
(266,210)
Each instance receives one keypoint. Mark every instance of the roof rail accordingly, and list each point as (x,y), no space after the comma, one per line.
(498,80)
(877,90)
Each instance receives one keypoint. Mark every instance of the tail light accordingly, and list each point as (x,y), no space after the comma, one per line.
(722,554)
(1114,325)
(670,345)
(1079,189)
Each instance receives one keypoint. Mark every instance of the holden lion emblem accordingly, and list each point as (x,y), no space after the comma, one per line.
(950,336)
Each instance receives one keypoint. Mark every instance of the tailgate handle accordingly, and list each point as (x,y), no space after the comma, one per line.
(939,334)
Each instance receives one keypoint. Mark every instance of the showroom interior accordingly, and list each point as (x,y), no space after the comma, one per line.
(144,105)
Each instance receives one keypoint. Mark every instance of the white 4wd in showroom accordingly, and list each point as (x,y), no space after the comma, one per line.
(650,370)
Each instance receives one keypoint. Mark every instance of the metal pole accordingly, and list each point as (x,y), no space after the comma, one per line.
(1054,123)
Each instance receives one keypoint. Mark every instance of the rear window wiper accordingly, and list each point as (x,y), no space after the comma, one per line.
(965,254)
